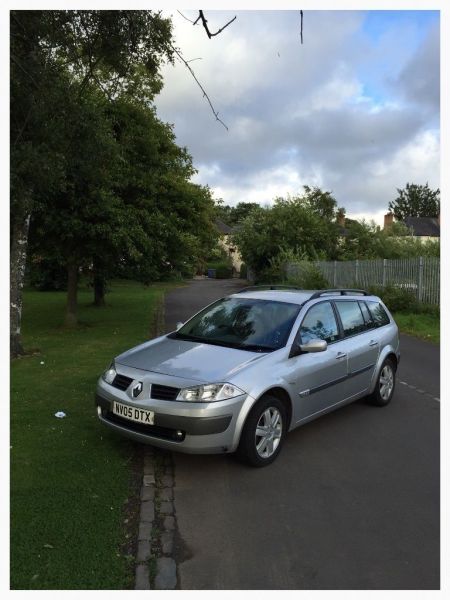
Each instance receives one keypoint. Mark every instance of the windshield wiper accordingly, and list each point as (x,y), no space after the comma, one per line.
(235,345)
(257,347)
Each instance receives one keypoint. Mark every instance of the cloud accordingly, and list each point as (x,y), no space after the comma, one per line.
(342,111)
(418,82)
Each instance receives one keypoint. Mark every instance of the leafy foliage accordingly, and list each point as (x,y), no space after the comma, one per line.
(107,187)
(396,297)
(233,215)
(301,225)
(366,240)
(309,277)
(416,201)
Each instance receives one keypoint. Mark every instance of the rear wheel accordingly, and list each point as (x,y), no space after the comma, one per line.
(385,386)
(264,432)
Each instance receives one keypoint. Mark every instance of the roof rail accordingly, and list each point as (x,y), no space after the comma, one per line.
(268,287)
(341,292)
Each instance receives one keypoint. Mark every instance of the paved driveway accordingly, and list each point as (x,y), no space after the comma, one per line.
(352,502)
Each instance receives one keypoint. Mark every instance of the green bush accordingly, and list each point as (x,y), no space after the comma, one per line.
(224,272)
(243,271)
(396,298)
(309,277)
(223,269)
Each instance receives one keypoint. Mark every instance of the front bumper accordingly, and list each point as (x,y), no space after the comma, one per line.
(196,428)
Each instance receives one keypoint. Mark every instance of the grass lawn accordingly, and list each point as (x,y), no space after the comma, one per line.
(70,477)
(424,326)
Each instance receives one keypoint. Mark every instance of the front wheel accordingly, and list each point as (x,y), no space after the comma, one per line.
(263,433)
(385,386)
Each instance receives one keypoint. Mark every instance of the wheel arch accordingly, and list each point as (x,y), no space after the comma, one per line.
(282,395)
(388,353)
(277,391)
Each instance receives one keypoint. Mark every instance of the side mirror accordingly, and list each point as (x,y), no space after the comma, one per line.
(311,346)
(314,346)
(179,324)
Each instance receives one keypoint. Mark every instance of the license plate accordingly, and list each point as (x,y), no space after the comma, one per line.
(139,415)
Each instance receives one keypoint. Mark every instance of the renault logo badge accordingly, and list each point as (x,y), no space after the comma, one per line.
(137,389)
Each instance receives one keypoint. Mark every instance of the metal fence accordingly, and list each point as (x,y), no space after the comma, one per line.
(421,275)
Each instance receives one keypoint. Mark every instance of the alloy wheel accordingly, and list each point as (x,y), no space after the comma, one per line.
(386,382)
(268,432)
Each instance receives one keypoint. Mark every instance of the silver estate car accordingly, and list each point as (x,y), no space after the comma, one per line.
(250,367)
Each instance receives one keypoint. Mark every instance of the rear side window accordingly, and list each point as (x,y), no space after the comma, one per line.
(319,323)
(367,316)
(351,317)
(378,313)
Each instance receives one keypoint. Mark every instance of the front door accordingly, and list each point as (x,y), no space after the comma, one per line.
(318,379)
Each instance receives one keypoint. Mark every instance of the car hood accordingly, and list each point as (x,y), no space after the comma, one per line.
(204,363)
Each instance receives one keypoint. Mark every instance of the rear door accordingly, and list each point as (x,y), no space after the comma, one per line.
(360,344)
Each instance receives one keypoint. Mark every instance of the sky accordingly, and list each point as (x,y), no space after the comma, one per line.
(353,110)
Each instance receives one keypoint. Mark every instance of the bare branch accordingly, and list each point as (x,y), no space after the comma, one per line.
(184,17)
(205,25)
(205,95)
(192,59)
(301,27)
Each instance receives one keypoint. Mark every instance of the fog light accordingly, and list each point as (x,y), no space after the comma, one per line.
(179,434)
(99,411)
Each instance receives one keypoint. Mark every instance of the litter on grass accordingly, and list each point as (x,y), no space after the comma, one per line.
(60,414)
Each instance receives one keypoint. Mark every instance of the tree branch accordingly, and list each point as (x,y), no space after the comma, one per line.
(205,25)
(301,27)
(205,95)
(190,21)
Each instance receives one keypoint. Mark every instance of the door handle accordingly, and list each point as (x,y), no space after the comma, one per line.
(340,355)
(373,343)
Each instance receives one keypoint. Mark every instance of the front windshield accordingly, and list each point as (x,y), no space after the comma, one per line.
(257,325)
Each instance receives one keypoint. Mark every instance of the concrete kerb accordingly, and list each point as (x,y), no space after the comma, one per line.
(154,559)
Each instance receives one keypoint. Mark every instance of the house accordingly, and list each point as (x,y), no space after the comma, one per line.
(225,242)
(423,228)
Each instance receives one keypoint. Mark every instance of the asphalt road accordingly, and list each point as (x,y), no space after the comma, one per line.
(352,502)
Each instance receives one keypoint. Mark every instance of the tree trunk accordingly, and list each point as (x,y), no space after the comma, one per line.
(99,290)
(72,291)
(19,241)
(99,284)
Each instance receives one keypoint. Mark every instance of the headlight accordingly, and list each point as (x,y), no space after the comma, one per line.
(212,392)
(109,374)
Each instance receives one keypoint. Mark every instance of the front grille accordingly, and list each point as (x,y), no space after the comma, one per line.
(164,433)
(121,382)
(164,392)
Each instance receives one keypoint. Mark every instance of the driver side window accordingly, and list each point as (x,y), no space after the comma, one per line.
(319,323)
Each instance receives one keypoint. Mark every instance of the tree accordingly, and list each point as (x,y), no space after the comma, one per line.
(82,218)
(117,51)
(366,240)
(415,201)
(232,215)
(292,226)
(321,203)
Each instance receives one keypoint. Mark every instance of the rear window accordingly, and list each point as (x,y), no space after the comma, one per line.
(378,313)
(351,317)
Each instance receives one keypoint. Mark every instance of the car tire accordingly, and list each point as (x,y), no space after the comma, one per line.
(385,385)
(269,418)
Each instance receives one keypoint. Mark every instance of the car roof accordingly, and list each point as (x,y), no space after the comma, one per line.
(295,296)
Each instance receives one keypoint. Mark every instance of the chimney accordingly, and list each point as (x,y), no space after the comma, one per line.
(388,220)
(340,217)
